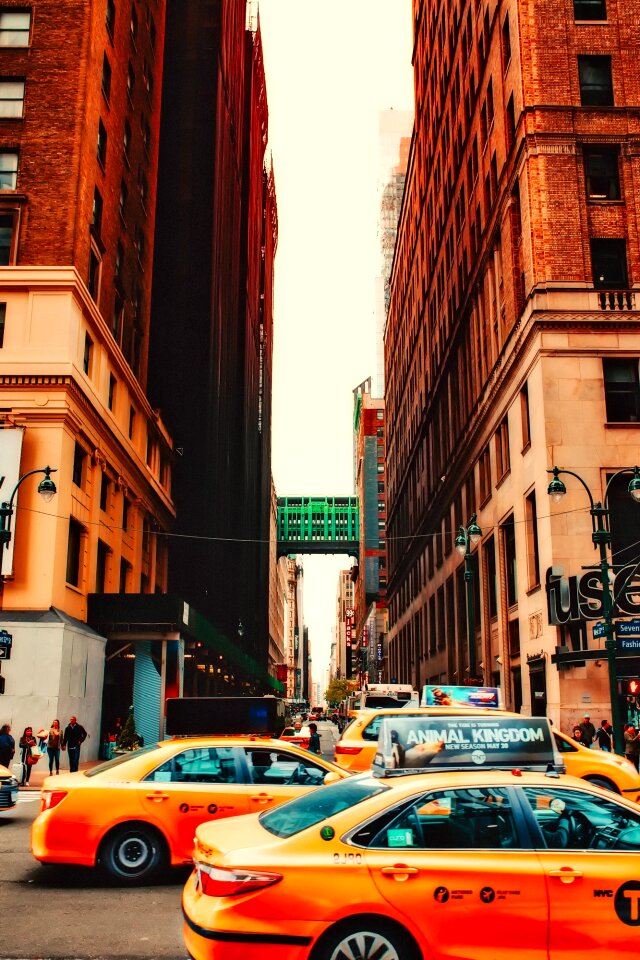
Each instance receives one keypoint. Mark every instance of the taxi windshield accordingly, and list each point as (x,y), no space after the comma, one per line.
(306,811)
(123,758)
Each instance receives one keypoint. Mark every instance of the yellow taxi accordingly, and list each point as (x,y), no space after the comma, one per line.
(137,813)
(8,792)
(356,749)
(492,853)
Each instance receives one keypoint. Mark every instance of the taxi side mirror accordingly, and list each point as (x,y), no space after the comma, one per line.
(332,777)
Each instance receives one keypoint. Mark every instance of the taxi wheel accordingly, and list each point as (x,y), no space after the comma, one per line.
(133,853)
(366,939)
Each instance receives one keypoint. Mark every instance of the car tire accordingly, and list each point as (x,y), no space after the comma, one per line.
(602,782)
(133,853)
(367,938)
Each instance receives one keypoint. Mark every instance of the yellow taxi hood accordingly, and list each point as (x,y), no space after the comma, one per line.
(4,771)
(218,837)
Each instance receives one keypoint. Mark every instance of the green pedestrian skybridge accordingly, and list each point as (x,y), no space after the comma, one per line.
(318,525)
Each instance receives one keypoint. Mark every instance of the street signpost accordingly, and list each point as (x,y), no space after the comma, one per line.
(6,640)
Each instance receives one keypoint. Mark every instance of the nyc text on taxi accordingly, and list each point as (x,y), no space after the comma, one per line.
(493,853)
(137,813)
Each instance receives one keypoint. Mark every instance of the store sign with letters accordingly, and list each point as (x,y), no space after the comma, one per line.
(571,599)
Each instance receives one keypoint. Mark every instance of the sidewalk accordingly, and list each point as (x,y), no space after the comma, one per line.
(40,772)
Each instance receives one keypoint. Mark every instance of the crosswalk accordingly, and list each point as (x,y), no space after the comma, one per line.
(26,796)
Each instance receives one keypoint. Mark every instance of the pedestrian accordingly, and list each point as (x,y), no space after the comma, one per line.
(54,742)
(603,735)
(7,745)
(27,743)
(632,745)
(314,739)
(72,739)
(588,730)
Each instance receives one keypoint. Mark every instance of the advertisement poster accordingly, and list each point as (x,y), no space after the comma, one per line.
(434,696)
(415,743)
(10,453)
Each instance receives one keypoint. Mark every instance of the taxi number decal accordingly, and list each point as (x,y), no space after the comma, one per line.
(347,858)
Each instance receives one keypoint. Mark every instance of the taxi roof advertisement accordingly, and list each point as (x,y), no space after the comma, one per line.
(468,742)
(434,696)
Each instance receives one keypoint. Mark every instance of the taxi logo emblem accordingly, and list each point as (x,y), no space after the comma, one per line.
(327,833)
(212,808)
(487,894)
(627,903)
(441,894)
(184,808)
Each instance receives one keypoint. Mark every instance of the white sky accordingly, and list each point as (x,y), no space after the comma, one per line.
(331,67)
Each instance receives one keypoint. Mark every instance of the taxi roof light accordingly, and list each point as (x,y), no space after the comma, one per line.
(223,882)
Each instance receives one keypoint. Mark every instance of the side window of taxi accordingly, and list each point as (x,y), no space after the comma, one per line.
(372,730)
(446,820)
(198,765)
(279,767)
(573,820)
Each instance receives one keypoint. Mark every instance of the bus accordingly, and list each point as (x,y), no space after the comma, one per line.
(377,696)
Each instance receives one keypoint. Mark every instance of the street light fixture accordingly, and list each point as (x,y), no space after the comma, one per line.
(601,537)
(46,489)
(467,536)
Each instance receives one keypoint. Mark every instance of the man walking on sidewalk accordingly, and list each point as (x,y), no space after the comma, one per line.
(74,736)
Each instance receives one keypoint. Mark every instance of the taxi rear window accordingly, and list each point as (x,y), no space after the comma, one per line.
(312,808)
(123,758)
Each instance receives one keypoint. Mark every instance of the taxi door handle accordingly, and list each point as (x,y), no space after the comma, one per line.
(262,798)
(399,871)
(158,797)
(566,874)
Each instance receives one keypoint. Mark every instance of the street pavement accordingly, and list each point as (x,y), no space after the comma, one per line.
(73,913)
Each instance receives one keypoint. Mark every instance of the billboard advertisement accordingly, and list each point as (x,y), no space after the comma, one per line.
(447,696)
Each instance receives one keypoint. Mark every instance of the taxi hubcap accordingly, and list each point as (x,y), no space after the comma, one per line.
(132,853)
(365,946)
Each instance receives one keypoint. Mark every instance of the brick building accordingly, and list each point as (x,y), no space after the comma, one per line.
(79,121)
(512,339)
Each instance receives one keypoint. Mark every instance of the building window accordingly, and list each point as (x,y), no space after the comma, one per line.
(596,82)
(622,390)
(509,547)
(3,317)
(110,17)
(74,552)
(14,28)
(113,386)
(131,81)
(381,506)
(101,567)
(11,98)
(601,173)
(102,144)
(531,527)
(380,467)
(126,140)
(609,264)
(105,484)
(93,280)
(125,576)
(492,579)
(484,464)
(124,195)
(133,25)
(524,414)
(125,513)
(106,77)
(96,212)
(117,321)
(590,9)
(379,414)
(79,457)
(8,170)
(511,123)
(139,243)
(88,354)
(502,449)
(506,42)
(132,421)
(7,238)
(145,129)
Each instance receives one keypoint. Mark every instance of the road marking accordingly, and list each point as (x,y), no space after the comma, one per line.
(26,796)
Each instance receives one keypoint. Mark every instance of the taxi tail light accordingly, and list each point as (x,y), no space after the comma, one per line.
(351,751)
(220,882)
(51,798)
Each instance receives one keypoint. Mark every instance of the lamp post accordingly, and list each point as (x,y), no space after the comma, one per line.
(601,537)
(46,489)
(467,536)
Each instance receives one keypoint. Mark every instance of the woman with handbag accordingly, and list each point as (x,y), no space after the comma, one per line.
(27,743)
(54,742)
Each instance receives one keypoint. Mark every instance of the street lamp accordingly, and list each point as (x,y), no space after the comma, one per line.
(46,489)
(601,537)
(467,536)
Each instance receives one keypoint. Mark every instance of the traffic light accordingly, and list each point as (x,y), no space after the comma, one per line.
(632,690)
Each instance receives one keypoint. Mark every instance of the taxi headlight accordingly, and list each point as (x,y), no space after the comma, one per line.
(221,882)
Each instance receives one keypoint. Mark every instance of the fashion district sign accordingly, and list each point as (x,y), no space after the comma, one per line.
(571,599)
